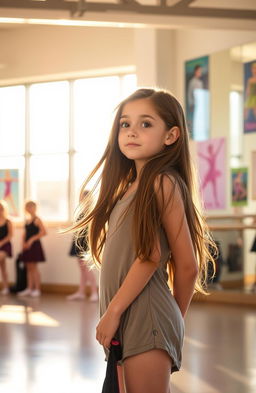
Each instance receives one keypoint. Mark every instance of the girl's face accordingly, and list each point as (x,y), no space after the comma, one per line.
(142,132)
(31,209)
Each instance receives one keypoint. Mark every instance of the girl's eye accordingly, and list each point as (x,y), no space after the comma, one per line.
(146,124)
(124,124)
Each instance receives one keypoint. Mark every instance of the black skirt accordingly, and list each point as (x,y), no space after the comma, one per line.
(77,251)
(7,248)
(34,254)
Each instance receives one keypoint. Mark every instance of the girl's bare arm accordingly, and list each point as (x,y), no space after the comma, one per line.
(178,234)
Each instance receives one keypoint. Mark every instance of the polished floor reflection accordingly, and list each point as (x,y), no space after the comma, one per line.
(48,345)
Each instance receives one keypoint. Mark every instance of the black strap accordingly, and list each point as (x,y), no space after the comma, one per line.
(110,384)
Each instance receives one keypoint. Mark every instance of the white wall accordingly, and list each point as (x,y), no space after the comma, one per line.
(36,51)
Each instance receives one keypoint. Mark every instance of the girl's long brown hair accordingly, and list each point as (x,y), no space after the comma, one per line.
(118,172)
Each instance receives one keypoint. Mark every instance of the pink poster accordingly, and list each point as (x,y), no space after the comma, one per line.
(211,155)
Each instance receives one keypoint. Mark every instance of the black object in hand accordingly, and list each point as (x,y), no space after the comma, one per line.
(110,384)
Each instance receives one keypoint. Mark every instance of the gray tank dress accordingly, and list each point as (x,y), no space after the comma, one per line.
(153,320)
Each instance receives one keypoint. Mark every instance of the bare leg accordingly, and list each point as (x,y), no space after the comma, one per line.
(148,372)
(79,294)
(3,269)
(36,277)
(88,276)
(30,278)
(120,379)
(83,276)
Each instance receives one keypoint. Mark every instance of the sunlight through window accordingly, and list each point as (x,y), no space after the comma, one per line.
(25,315)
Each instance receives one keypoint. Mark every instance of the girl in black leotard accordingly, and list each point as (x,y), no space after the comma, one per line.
(6,231)
(32,250)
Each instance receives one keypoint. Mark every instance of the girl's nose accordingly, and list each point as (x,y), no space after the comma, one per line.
(132,132)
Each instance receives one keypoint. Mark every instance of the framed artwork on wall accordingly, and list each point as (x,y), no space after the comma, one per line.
(197,97)
(9,189)
(250,96)
(211,158)
(239,182)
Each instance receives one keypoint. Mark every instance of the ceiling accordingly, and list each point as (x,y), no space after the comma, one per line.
(232,9)
(225,14)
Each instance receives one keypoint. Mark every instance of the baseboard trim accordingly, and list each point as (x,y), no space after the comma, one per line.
(238,298)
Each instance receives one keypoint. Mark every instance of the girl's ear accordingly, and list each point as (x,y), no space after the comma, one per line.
(172,136)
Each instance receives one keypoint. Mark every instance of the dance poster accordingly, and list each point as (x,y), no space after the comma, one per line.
(197,97)
(211,157)
(253,175)
(239,181)
(9,189)
(250,97)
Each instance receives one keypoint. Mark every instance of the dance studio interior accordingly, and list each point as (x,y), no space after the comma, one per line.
(65,65)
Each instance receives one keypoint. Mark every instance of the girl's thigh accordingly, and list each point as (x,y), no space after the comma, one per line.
(148,372)
(3,255)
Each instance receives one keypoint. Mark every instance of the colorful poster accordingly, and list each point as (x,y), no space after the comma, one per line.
(253,172)
(197,97)
(211,156)
(9,189)
(250,97)
(239,181)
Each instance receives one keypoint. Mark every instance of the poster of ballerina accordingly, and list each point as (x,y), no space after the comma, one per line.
(9,189)
(239,186)
(250,97)
(197,97)
(211,156)
(253,174)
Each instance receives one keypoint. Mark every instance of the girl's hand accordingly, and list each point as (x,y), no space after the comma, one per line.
(107,328)
(28,244)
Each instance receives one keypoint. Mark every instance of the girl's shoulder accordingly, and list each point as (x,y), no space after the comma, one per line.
(37,220)
(165,181)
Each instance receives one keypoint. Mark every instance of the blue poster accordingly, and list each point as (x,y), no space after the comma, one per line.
(197,97)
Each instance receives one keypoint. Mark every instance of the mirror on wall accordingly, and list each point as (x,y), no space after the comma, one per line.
(224,157)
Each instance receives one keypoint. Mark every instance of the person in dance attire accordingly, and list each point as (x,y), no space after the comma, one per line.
(145,223)
(6,232)
(33,252)
(87,277)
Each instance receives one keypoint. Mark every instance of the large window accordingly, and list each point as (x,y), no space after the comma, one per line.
(54,133)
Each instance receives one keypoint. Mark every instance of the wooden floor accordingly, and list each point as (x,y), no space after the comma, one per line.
(48,345)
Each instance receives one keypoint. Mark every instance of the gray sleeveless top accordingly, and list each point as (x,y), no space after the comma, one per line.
(153,320)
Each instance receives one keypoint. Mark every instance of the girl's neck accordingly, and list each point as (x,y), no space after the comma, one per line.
(139,165)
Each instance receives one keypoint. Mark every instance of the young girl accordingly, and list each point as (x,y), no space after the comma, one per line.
(144,221)
(86,275)
(32,250)
(6,232)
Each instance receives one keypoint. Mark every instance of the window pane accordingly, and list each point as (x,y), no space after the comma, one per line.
(12,120)
(82,168)
(94,102)
(49,185)
(49,117)
(12,183)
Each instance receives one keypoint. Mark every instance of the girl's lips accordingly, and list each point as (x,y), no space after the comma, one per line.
(132,144)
